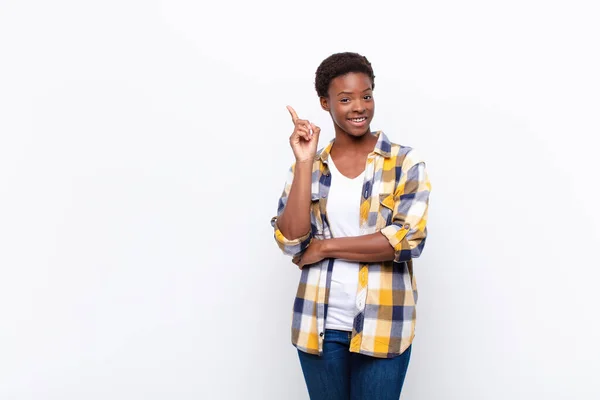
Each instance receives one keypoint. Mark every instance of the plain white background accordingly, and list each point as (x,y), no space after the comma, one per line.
(144,144)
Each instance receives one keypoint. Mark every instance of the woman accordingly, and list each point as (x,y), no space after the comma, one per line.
(353,216)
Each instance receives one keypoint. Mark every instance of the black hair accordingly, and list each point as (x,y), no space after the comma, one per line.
(340,64)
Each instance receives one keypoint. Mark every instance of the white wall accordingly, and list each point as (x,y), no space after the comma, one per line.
(143,146)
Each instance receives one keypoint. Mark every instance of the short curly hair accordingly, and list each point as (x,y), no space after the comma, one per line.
(340,64)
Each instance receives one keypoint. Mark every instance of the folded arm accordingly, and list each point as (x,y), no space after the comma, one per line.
(400,241)
(408,230)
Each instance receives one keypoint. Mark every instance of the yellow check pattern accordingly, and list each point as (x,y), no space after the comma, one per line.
(394,201)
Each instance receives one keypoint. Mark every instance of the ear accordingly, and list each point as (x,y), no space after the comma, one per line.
(324,103)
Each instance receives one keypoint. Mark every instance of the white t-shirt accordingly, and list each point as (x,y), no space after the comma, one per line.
(343,214)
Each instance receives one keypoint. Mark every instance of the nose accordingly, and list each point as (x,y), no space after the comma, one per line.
(359,107)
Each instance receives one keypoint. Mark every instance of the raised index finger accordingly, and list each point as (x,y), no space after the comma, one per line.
(292,113)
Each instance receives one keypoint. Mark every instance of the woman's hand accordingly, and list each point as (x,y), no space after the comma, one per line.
(304,139)
(313,254)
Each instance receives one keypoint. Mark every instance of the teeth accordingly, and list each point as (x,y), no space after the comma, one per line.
(358,119)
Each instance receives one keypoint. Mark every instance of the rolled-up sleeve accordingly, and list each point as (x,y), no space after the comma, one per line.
(295,246)
(408,231)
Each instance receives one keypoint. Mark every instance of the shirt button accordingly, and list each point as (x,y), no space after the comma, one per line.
(321,334)
(406,226)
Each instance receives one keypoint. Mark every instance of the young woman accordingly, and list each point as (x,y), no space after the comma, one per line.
(353,216)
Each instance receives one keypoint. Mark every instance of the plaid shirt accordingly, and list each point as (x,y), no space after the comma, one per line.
(394,201)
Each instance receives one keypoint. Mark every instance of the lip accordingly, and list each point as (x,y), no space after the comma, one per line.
(359,124)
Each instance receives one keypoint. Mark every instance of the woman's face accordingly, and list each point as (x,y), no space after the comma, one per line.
(350,103)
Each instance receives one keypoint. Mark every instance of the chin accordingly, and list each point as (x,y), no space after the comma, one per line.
(358,135)
(353,131)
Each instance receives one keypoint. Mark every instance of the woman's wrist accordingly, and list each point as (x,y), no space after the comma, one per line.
(308,161)
(325,247)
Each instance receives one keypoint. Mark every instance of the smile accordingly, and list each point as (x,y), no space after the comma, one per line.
(358,122)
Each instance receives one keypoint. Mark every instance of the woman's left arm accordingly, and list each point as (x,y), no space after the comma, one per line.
(368,248)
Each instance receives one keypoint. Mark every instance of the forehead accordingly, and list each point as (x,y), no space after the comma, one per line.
(350,82)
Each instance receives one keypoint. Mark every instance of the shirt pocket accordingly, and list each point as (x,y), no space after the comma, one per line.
(386,210)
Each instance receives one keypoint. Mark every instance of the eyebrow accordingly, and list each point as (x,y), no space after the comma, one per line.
(342,92)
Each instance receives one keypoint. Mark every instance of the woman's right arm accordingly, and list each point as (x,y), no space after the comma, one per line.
(294,222)
(292,225)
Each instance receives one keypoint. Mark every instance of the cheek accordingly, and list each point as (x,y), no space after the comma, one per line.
(339,114)
(339,118)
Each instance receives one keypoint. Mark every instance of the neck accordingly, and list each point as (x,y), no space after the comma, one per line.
(352,144)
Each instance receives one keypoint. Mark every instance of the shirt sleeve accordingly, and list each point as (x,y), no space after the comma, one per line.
(408,231)
(291,247)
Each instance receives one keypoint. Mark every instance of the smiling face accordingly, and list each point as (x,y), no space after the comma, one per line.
(350,103)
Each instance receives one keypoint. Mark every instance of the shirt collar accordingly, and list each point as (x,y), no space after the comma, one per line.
(383,147)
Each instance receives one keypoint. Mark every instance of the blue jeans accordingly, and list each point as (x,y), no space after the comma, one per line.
(340,375)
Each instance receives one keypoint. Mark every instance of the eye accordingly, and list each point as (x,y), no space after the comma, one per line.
(368,97)
(344,100)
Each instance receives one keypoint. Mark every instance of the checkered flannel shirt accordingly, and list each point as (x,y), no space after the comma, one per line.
(394,201)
